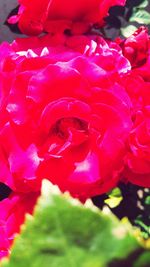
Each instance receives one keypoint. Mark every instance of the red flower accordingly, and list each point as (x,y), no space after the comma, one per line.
(137,160)
(12,214)
(67,117)
(137,49)
(138,91)
(37,16)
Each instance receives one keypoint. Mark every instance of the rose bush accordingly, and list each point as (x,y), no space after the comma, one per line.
(74,109)
(65,115)
(54,15)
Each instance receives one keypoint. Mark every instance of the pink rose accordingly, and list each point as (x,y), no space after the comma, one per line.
(37,16)
(68,118)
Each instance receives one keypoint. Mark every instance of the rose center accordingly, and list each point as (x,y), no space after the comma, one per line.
(66,134)
(5,191)
(64,126)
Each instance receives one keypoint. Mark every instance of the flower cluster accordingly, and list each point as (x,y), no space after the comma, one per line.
(74,107)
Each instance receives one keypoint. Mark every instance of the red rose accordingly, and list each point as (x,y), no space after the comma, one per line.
(68,118)
(138,91)
(37,16)
(136,49)
(137,160)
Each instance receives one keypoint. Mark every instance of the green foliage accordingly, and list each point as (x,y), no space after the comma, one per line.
(147,200)
(128,30)
(140,16)
(143,4)
(123,21)
(114,198)
(131,201)
(143,261)
(116,192)
(143,219)
(65,233)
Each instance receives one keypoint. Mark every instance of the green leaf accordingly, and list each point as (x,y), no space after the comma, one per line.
(147,200)
(140,16)
(114,198)
(65,233)
(143,4)
(113,202)
(127,31)
(116,192)
(143,261)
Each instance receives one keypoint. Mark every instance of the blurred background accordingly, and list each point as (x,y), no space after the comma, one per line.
(5,8)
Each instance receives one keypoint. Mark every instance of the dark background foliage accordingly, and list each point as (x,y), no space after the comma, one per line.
(120,17)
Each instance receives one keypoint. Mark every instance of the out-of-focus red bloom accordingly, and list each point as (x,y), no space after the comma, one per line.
(137,49)
(67,117)
(12,214)
(36,16)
